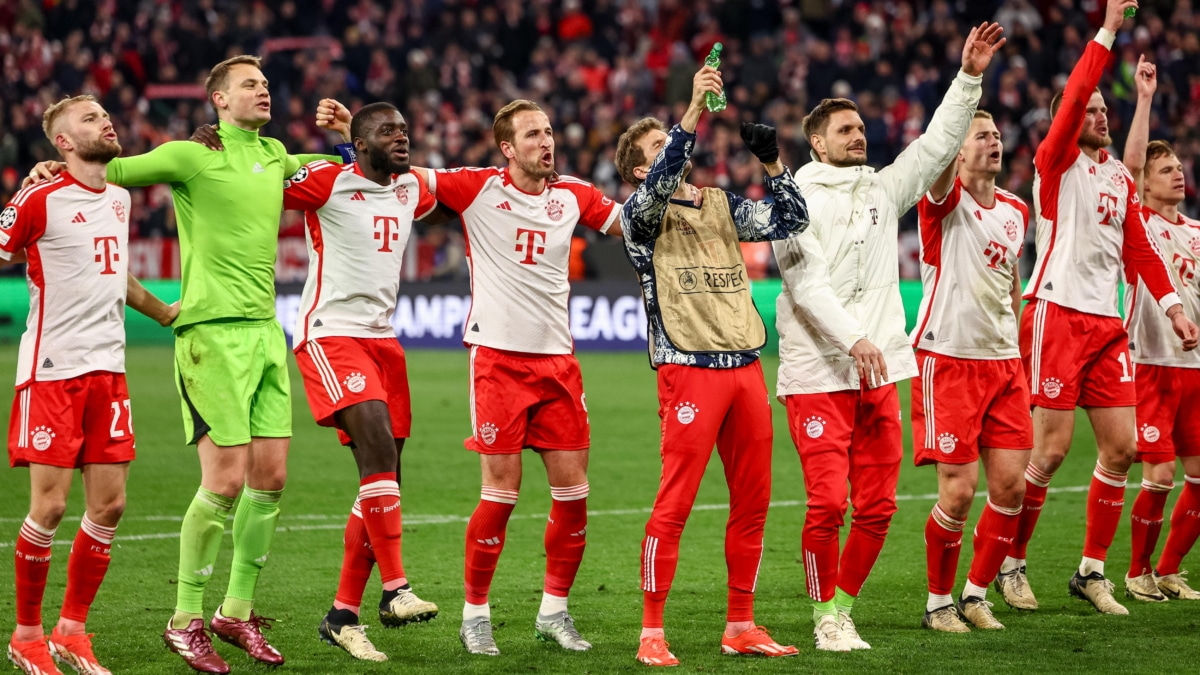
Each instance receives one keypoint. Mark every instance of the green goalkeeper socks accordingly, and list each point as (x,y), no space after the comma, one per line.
(843,600)
(253,528)
(199,543)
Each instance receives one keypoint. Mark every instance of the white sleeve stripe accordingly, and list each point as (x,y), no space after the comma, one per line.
(24,194)
(328,378)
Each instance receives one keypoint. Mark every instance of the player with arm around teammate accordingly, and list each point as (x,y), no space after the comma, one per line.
(1073,342)
(704,338)
(358,219)
(526,386)
(1168,378)
(841,298)
(72,408)
(230,353)
(970,395)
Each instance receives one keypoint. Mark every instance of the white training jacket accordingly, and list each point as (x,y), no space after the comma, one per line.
(841,276)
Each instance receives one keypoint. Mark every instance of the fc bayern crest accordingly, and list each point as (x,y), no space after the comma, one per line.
(119,209)
(554,209)
(1010,229)
(402,194)
(1194,244)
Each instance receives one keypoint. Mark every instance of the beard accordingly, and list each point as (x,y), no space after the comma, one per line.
(846,159)
(534,169)
(1094,140)
(99,150)
(380,159)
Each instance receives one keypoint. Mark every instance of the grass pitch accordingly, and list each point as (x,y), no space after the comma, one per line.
(441,488)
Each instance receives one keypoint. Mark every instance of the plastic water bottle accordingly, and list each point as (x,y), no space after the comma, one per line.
(713,102)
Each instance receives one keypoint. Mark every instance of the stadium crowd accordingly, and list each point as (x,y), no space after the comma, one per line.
(596,66)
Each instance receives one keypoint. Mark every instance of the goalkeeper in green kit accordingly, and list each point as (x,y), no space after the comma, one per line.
(230,351)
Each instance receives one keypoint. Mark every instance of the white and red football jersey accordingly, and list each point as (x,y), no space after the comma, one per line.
(1088,213)
(75,241)
(968,262)
(519,247)
(1152,341)
(356,231)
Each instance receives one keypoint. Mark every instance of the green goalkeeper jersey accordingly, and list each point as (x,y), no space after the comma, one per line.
(227,206)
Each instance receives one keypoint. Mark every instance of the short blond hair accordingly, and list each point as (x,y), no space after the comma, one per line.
(502,125)
(218,77)
(54,114)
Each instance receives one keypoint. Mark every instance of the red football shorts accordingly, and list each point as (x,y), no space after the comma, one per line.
(70,423)
(339,372)
(961,405)
(1168,413)
(1075,359)
(526,401)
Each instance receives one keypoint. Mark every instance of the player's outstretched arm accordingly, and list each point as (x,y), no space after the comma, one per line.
(761,220)
(920,164)
(643,213)
(1059,148)
(145,302)
(1139,128)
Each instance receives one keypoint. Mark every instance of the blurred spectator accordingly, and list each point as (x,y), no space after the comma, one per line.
(595,66)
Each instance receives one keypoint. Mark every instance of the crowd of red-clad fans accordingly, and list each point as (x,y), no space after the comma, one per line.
(595,65)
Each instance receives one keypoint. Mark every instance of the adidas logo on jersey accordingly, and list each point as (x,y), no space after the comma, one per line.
(258,168)
(504,206)
(358,196)
(318,323)
(47,363)
(1049,286)
(79,218)
(929,335)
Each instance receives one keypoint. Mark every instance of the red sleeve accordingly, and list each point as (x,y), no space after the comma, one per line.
(309,188)
(457,188)
(425,199)
(930,215)
(1060,147)
(927,208)
(595,210)
(23,221)
(1141,255)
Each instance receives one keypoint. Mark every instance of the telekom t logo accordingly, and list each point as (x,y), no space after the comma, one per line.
(1187,269)
(106,252)
(534,243)
(995,253)
(387,230)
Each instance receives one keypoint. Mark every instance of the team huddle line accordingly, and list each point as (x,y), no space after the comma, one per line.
(983,355)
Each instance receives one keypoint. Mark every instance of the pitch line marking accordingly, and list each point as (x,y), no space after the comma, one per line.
(418,519)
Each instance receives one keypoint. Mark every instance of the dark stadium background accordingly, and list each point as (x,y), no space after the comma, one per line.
(596,66)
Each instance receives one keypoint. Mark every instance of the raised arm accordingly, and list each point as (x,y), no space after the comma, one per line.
(643,212)
(768,221)
(1060,148)
(925,159)
(1139,128)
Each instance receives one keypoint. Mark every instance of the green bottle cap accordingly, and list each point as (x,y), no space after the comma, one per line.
(1130,12)
(718,47)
